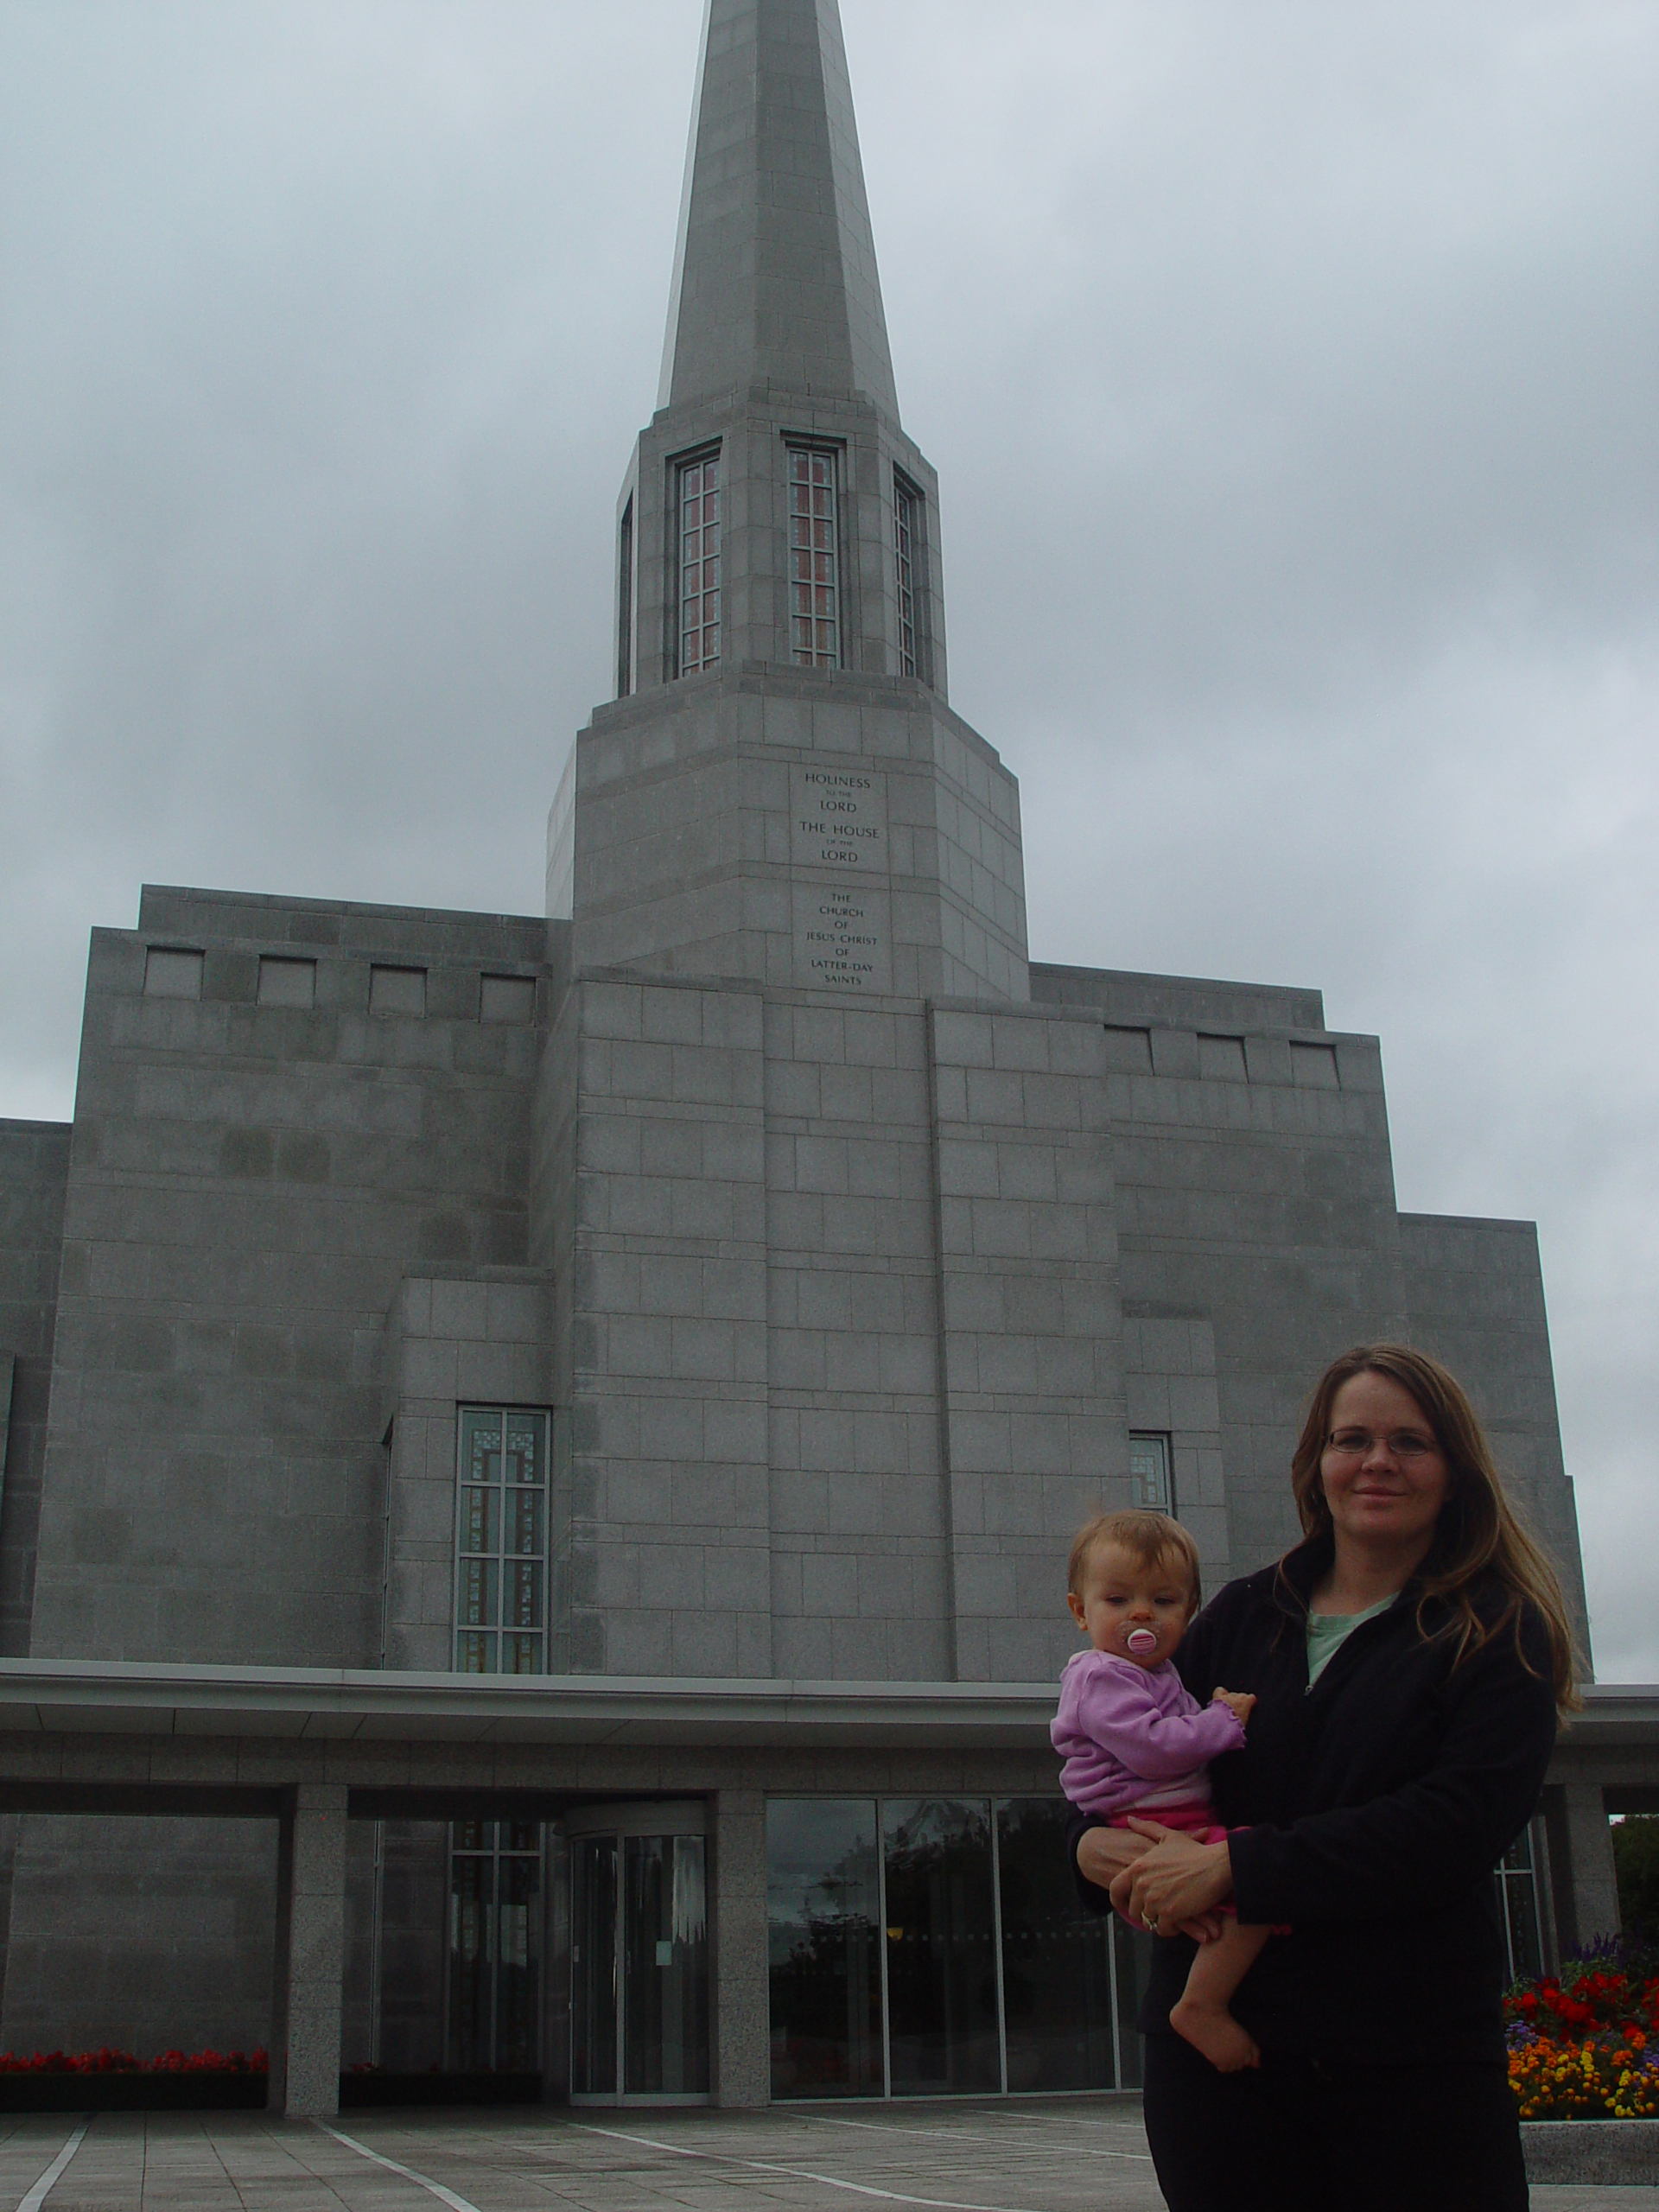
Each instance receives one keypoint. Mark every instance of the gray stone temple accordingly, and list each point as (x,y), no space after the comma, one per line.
(541,1450)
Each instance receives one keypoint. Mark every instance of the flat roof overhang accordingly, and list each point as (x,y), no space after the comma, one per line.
(40,1697)
(46,1697)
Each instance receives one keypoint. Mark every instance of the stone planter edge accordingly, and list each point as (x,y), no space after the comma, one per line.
(1617,2153)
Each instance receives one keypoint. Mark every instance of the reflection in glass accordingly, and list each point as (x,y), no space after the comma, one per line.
(470,1901)
(824,1909)
(1056,1970)
(495,1948)
(592,1966)
(518,1971)
(1517,1899)
(1134,1952)
(941,1946)
(665,1966)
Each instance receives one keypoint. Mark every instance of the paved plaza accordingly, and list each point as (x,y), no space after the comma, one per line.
(1040,2156)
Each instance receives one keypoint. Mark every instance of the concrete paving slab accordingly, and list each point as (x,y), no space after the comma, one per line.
(1041,2155)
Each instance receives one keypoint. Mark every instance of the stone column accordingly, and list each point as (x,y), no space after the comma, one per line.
(1580,1833)
(310,1953)
(742,2059)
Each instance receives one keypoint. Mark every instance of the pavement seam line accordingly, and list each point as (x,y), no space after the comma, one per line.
(33,2198)
(433,2188)
(1045,2149)
(795,2173)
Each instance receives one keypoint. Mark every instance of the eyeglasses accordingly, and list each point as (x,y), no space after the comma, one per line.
(1405,1444)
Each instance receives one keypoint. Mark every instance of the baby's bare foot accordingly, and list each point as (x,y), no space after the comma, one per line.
(1213,2030)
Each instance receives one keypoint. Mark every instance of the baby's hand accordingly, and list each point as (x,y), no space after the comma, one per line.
(1240,1703)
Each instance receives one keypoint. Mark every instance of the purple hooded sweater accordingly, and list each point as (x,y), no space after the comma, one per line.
(1128,1733)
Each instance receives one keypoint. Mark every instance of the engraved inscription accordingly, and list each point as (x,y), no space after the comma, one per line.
(838,817)
(843,934)
(838,848)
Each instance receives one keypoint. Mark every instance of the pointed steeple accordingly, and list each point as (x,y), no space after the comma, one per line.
(779,789)
(775,279)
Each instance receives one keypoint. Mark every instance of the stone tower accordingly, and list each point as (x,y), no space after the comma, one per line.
(779,789)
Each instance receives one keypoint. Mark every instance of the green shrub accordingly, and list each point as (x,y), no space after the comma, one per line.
(1636,1856)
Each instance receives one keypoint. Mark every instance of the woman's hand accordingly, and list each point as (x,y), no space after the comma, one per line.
(1104,1858)
(1178,1882)
(1104,1853)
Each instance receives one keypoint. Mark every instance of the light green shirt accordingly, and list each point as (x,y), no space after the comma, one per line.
(1328,1632)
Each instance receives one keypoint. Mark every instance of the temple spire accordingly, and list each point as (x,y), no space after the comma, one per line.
(775,279)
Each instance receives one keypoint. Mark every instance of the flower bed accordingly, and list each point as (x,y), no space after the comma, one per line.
(106,2061)
(1586,2046)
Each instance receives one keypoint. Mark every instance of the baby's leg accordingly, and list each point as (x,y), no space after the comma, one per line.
(1201,2015)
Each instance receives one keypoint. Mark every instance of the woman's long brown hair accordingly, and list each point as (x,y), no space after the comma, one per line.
(1479,1535)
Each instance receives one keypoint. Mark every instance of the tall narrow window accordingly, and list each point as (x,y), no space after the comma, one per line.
(501,1542)
(698,505)
(814,560)
(907,548)
(1151,1480)
(1517,1897)
(624,605)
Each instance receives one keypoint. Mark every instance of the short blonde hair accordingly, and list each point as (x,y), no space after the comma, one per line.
(1150,1539)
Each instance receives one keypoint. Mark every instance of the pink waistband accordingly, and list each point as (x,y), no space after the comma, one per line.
(1193,1817)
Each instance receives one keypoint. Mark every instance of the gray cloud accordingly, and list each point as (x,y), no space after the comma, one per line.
(1290,374)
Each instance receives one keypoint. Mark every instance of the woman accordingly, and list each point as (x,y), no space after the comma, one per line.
(1408,1658)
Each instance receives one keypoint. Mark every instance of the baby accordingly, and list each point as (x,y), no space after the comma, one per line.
(1135,1742)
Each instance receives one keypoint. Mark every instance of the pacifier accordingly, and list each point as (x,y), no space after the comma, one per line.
(1142,1642)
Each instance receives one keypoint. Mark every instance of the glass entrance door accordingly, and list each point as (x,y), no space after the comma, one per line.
(639,1968)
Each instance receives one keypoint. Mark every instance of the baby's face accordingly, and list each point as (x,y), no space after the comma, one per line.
(1135,1612)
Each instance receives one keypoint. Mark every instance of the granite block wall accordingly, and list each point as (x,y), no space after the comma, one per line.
(151,1934)
(1171,1389)
(662,1304)
(456,1336)
(1475,1294)
(1121,997)
(1032,1366)
(687,852)
(1256,1198)
(34,1177)
(860,1563)
(283,1108)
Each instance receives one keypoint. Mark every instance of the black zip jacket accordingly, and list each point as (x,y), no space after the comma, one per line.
(1377,1805)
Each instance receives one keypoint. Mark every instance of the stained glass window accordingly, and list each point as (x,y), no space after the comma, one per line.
(698,505)
(501,1542)
(814,560)
(1151,1481)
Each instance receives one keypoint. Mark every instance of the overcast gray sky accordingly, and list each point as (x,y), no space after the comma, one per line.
(1291,371)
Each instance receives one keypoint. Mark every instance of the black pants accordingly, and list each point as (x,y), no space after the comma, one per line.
(1303,2135)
